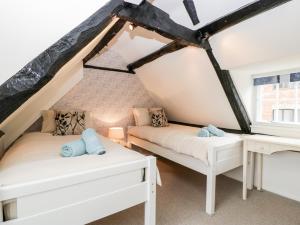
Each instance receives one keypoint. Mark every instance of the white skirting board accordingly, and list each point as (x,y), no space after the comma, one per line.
(280,174)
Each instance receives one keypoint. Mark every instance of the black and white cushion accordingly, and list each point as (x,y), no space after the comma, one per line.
(158,118)
(69,123)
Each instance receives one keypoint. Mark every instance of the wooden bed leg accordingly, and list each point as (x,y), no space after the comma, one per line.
(1,212)
(129,145)
(210,192)
(150,204)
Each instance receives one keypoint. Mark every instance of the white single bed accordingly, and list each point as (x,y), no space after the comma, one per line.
(210,156)
(39,187)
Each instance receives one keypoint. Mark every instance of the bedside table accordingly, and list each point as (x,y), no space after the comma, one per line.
(263,144)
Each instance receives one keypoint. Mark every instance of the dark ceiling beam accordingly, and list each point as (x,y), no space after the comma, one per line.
(1,133)
(240,15)
(108,69)
(152,18)
(111,33)
(191,9)
(169,48)
(232,94)
(37,73)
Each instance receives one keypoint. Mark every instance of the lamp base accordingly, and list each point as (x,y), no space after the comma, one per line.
(120,142)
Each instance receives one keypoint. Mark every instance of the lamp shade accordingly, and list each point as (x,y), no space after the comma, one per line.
(116,133)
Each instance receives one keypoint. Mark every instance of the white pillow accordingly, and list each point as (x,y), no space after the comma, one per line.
(155,109)
(89,123)
(49,125)
(141,116)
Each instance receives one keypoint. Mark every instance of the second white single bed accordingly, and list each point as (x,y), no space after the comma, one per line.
(38,186)
(208,155)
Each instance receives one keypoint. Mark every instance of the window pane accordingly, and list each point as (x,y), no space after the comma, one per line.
(286,115)
(268,102)
(287,96)
(279,102)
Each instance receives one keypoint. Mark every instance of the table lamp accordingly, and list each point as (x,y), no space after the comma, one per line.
(116,134)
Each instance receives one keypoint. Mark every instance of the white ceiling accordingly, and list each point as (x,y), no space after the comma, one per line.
(208,10)
(268,36)
(183,82)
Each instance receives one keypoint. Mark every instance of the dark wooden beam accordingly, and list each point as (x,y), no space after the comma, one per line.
(240,15)
(191,9)
(37,73)
(1,134)
(232,94)
(108,69)
(111,33)
(234,131)
(171,47)
(152,18)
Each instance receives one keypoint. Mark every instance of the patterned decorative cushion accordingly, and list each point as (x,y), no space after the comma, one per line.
(70,123)
(158,118)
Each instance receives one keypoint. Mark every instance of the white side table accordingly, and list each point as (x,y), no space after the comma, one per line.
(262,144)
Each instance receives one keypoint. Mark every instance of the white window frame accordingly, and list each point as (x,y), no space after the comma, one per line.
(273,128)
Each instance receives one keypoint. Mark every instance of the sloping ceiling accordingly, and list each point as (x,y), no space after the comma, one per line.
(268,36)
(24,34)
(208,10)
(23,39)
(184,82)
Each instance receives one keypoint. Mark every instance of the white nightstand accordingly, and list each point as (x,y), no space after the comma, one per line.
(263,144)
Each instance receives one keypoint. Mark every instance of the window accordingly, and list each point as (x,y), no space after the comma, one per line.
(278,99)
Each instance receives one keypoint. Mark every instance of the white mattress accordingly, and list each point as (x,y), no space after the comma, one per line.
(183,139)
(37,156)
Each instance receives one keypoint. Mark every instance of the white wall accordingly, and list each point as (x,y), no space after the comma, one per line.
(28,27)
(266,43)
(280,170)
(109,96)
(186,84)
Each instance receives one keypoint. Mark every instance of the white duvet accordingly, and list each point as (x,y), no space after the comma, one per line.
(183,139)
(37,156)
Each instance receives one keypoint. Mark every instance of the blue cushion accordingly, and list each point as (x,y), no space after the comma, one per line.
(215,131)
(203,132)
(73,148)
(93,144)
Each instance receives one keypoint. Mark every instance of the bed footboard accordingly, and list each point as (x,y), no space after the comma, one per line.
(220,160)
(84,197)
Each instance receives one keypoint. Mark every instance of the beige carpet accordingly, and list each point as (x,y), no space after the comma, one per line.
(181,201)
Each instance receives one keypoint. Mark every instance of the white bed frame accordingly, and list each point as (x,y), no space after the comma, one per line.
(84,197)
(220,160)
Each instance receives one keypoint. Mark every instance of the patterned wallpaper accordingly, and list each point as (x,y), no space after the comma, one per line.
(109,96)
